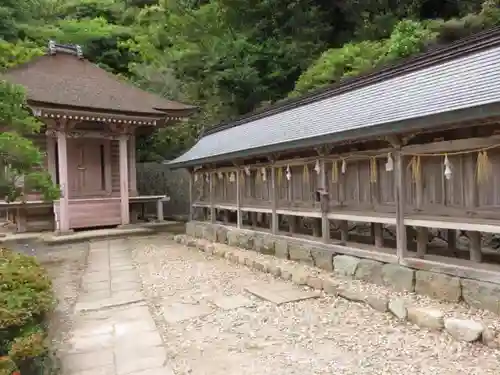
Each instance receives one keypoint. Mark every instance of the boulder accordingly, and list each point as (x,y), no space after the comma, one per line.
(281,249)
(379,303)
(198,230)
(370,271)
(426,317)
(261,265)
(274,270)
(190,228)
(300,253)
(323,258)
(397,307)
(221,235)
(352,295)
(438,285)
(233,238)
(491,338)
(463,329)
(180,238)
(330,286)
(209,232)
(191,242)
(345,265)
(315,282)
(286,272)
(399,278)
(264,244)
(482,295)
(300,276)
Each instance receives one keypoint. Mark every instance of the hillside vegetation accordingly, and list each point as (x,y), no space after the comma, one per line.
(231,57)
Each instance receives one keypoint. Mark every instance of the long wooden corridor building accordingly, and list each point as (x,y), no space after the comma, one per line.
(410,153)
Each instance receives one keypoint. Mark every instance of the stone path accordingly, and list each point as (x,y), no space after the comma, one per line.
(112,331)
(148,306)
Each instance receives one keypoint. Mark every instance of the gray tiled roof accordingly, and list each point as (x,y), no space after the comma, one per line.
(466,82)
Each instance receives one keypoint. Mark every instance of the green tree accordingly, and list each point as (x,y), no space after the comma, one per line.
(21,162)
(406,39)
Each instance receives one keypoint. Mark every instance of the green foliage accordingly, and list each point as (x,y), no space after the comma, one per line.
(230,57)
(407,38)
(21,161)
(334,64)
(25,298)
(12,54)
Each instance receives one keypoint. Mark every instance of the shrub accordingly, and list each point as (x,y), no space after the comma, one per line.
(25,298)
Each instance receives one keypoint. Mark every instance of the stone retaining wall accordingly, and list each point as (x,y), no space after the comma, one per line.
(482,295)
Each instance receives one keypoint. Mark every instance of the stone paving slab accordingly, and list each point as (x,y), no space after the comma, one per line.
(177,312)
(232,302)
(113,331)
(280,293)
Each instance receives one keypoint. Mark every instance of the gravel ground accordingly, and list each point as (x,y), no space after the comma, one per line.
(323,336)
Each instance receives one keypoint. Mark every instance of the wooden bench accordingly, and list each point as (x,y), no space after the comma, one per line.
(143,199)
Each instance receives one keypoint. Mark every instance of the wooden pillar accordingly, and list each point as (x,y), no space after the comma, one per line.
(211,181)
(124,186)
(132,163)
(159,210)
(451,236)
(239,217)
(226,216)
(475,246)
(292,223)
(400,203)
(473,201)
(422,240)
(344,231)
(317,227)
(324,202)
(274,202)
(21,220)
(191,207)
(378,234)
(253,219)
(63,212)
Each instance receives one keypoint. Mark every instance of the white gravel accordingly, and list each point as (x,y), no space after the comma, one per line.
(324,336)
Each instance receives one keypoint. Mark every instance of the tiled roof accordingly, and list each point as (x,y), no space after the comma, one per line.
(470,80)
(65,79)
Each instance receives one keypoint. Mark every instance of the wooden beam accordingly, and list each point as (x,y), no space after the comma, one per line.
(400,203)
(453,146)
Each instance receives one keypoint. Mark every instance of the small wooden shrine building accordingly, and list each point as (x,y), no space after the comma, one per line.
(91,121)
(411,152)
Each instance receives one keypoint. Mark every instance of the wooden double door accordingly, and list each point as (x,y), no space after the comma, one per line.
(89,167)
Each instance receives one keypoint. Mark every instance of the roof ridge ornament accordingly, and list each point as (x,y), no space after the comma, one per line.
(70,49)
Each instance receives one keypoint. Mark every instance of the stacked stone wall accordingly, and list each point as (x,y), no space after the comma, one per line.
(479,294)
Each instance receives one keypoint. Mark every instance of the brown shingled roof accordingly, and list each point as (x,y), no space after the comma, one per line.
(66,80)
